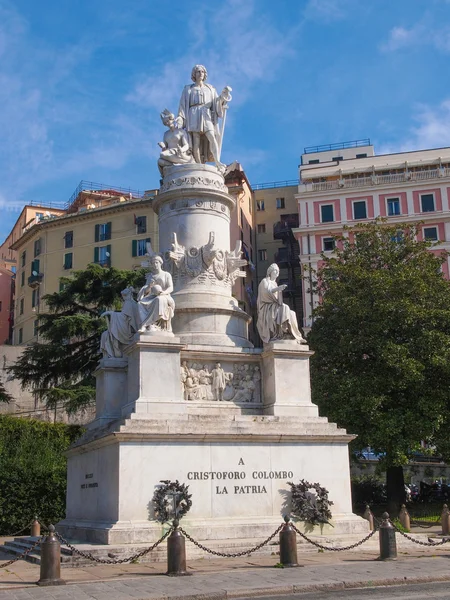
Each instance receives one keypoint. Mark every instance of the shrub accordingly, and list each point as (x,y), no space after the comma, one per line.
(367,489)
(33,471)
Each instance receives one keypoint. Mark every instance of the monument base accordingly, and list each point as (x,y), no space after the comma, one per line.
(237,469)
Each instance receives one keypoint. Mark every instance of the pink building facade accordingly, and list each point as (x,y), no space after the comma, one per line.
(350,184)
(6,296)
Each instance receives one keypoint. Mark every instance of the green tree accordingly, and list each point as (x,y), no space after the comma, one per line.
(4,395)
(59,368)
(381,337)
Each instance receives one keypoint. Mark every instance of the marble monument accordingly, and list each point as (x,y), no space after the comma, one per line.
(182,393)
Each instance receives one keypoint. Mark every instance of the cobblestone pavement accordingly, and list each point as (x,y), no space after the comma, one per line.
(228,578)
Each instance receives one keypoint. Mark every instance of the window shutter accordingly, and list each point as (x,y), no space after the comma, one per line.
(134,248)
(97,234)
(96,250)
(148,240)
(108,231)
(68,260)
(108,250)
(35,266)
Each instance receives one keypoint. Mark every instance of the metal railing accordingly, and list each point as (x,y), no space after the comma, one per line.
(374,180)
(338,146)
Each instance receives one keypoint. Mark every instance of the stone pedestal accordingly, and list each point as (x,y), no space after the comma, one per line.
(287,389)
(154,375)
(111,389)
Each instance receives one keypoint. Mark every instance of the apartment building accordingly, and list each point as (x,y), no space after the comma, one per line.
(108,227)
(347,184)
(276,215)
(242,228)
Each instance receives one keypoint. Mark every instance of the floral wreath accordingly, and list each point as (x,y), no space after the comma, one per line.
(162,500)
(308,508)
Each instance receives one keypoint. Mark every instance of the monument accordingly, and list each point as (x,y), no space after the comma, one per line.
(181,392)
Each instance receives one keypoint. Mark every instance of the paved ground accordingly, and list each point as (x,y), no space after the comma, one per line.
(230,578)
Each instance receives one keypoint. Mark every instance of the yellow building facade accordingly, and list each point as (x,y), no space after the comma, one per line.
(276,214)
(104,228)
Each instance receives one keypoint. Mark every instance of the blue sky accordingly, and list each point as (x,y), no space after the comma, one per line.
(82,84)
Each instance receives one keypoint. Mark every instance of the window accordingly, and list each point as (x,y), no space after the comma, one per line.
(314,162)
(141,224)
(35,267)
(338,158)
(393,207)
(68,260)
(102,232)
(102,255)
(398,236)
(327,213)
(361,155)
(359,210)
(23,258)
(20,335)
(39,216)
(68,239)
(328,244)
(22,279)
(35,298)
(37,247)
(35,327)
(139,247)
(262,254)
(261,228)
(430,233)
(62,286)
(1,306)
(260,205)
(280,202)
(427,201)
(21,305)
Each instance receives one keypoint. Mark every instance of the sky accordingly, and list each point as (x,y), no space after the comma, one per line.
(82,84)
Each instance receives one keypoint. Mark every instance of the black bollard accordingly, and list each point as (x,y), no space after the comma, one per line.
(288,545)
(176,552)
(388,545)
(50,560)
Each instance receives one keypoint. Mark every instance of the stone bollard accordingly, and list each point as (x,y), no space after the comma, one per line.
(368,516)
(50,560)
(35,528)
(445,520)
(176,552)
(404,518)
(288,544)
(388,545)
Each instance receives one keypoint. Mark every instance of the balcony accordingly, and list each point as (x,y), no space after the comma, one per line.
(285,257)
(283,228)
(375,180)
(35,281)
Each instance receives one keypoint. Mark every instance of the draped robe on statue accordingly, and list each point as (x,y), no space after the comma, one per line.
(156,308)
(200,109)
(274,317)
(121,328)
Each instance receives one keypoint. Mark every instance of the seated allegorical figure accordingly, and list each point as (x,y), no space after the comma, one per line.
(121,326)
(156,305)
(275,319)
(175,144)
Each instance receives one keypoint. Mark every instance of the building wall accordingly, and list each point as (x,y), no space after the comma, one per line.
(6,288)
(123,230)
(399,178)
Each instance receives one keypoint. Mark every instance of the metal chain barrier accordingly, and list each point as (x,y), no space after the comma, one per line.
(109,561)
(234,554)
(24,553)
(331,548)
(411,539)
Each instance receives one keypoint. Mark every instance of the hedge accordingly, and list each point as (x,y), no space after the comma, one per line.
(33,471)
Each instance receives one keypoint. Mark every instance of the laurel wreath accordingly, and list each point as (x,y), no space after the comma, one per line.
(310,507)
(163,503)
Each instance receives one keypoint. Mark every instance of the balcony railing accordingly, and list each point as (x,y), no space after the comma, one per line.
(374,180)
(35,280)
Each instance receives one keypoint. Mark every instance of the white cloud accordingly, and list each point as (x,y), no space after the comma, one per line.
(328,10)
(423,33)
(399,37)
(432,130)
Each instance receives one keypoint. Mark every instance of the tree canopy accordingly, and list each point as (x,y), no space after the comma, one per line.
(4,395)
(381,337)
(59,368)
